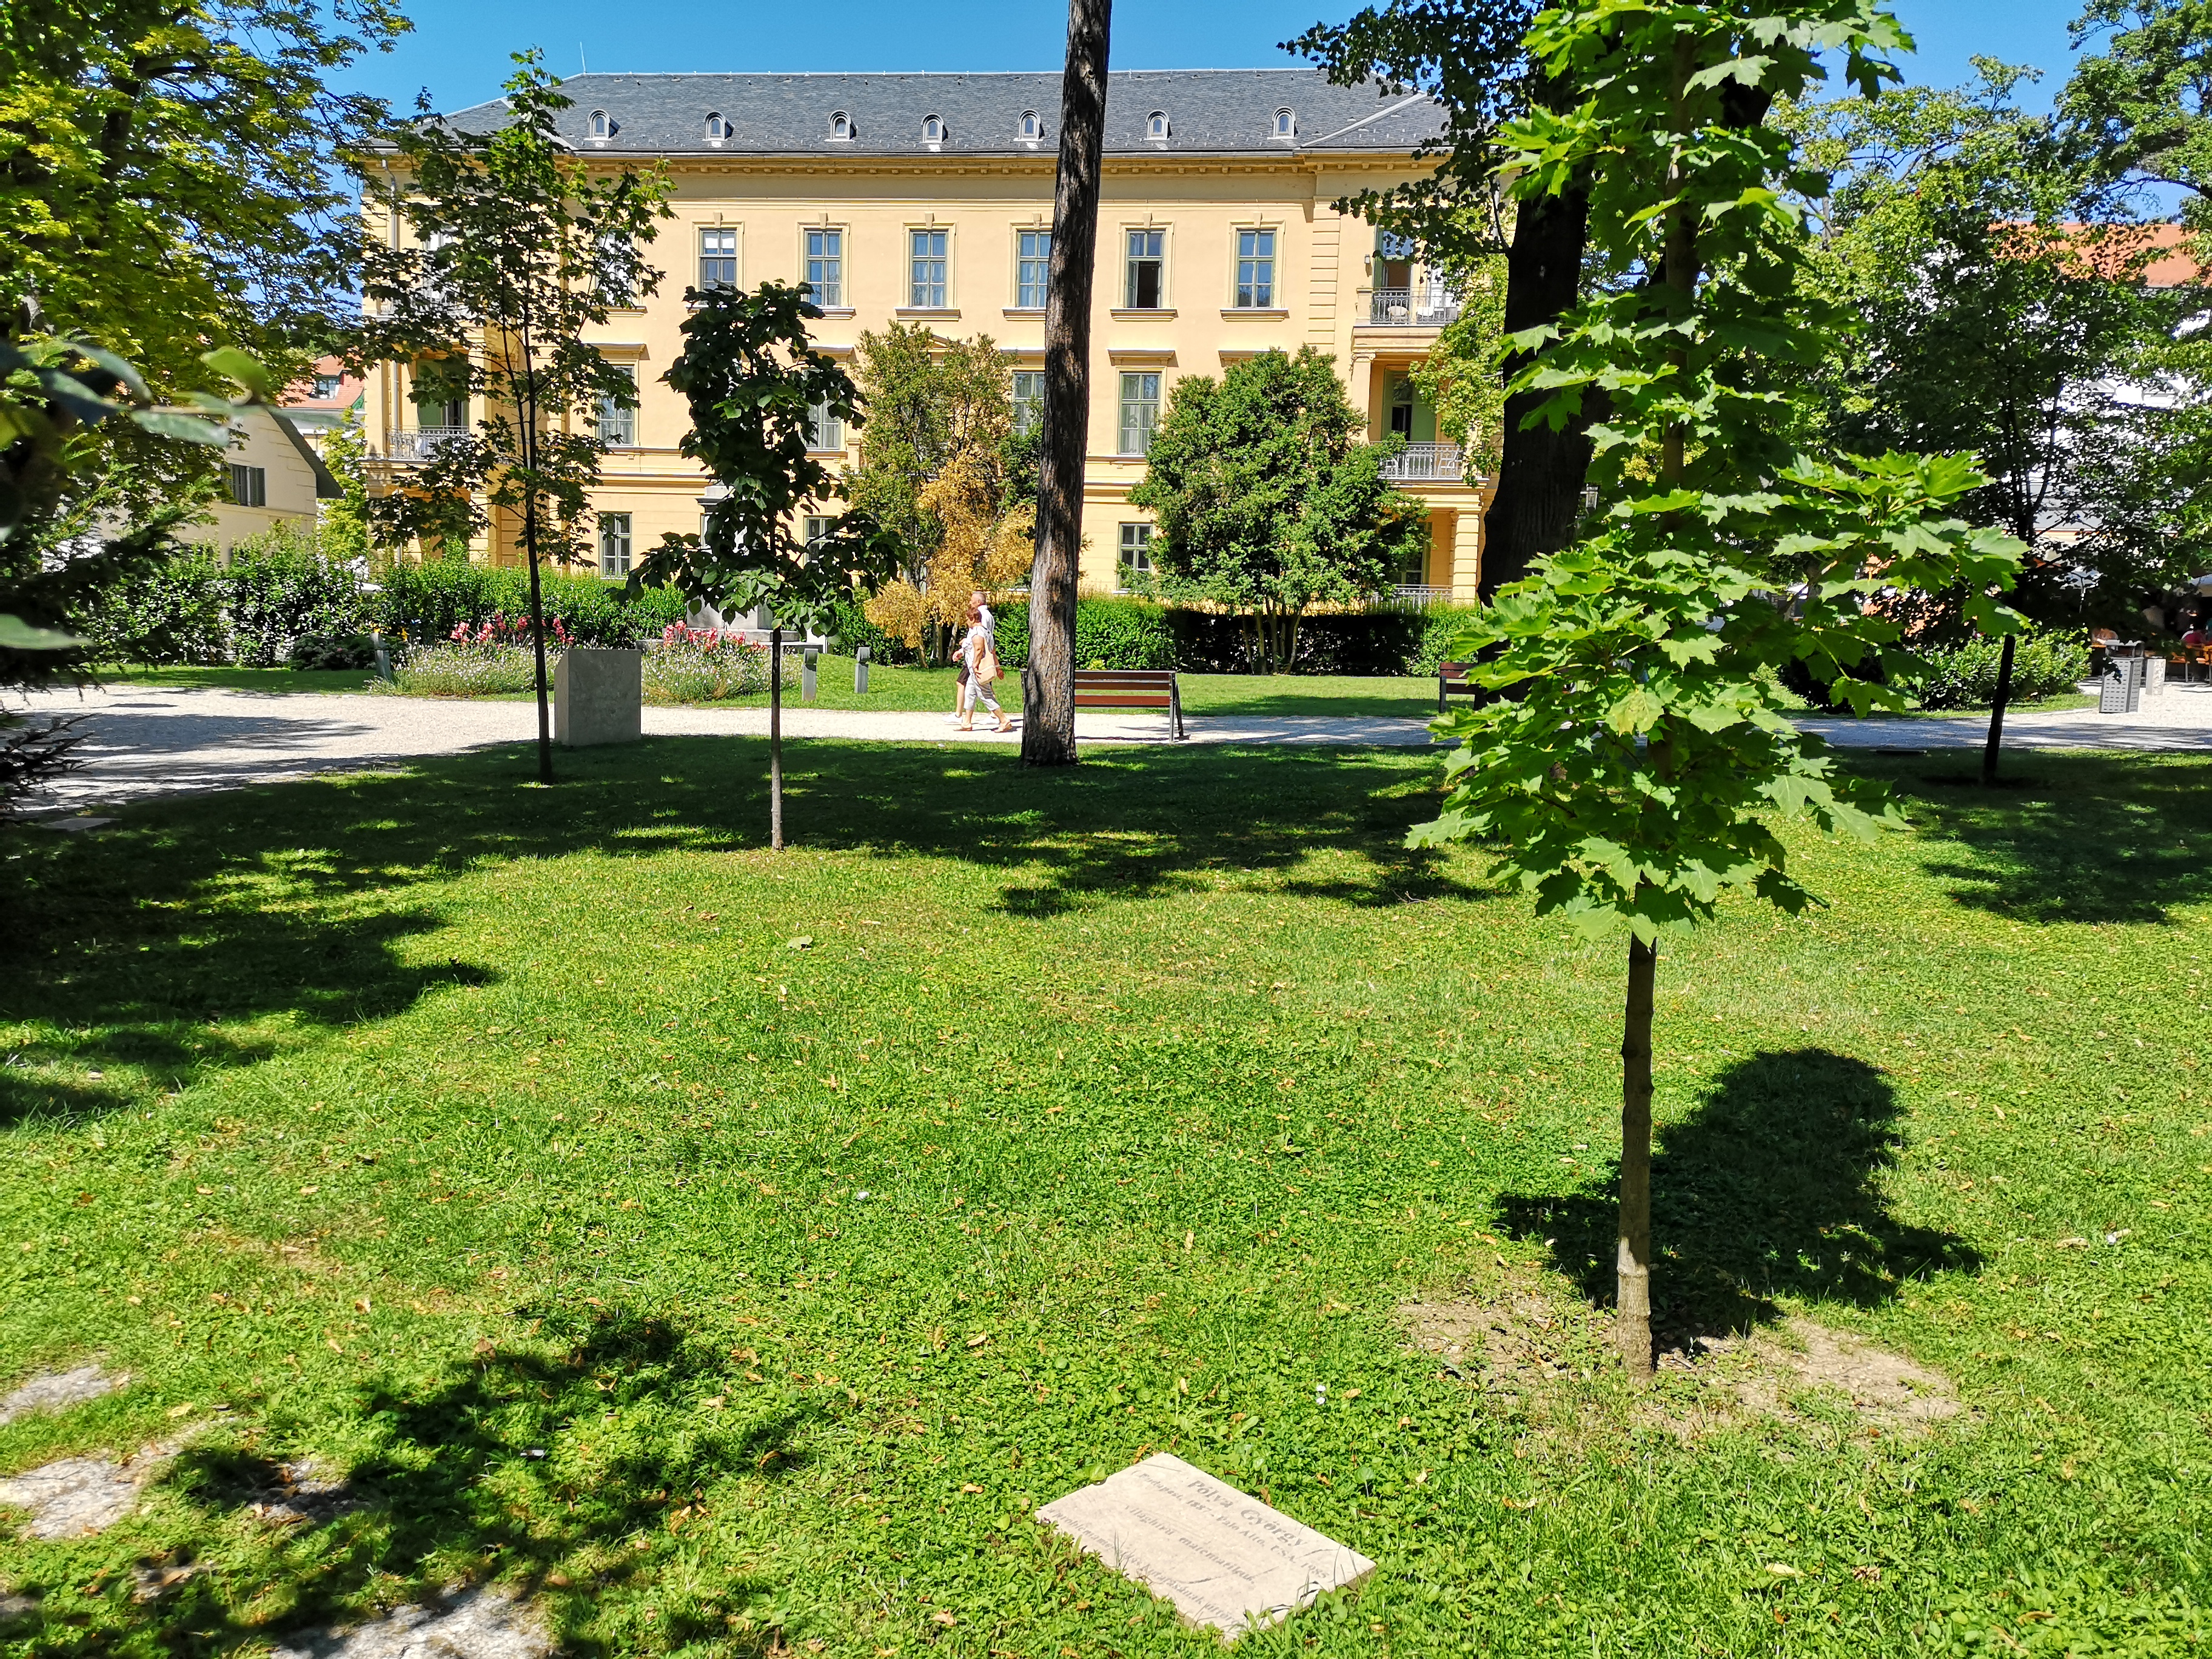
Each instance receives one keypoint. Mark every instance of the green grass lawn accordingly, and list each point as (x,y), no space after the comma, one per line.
(273,681)
(728,1250)
(927,689)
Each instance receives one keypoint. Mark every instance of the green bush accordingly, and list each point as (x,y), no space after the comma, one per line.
(280,588)
(427,601)
(693,664)
(2046,664)
(1108,634)
(1438,625)
(330,651)
(173,614)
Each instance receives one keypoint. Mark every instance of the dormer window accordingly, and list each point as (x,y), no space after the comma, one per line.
(841,127)
(1156,125)
(932,128)
(717,130)
(1286,124)
(603,126)
(1033,127)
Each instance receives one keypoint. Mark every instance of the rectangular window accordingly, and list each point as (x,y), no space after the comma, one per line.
(818,527)
(617,269)
(614,544)
(1256,270)
(619,425)
(326,388)
(1147,264)
(926,290)
(1136,550)
(825,266)
(441,415)
(718,259)
(249,486)
(1140,412)
(1028,400)
(1033,269)
(824,429)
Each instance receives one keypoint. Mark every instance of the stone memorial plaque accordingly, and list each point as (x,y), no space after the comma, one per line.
(1227,1561)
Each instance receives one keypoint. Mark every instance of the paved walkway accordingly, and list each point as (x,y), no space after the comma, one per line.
(147,742)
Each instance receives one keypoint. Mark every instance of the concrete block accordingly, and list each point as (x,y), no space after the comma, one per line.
(599,696)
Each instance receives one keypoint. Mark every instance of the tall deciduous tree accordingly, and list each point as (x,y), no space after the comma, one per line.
(1048,680)
(1631,779)
(1470,55)
(171,174)
(2000,307)
(511,247)
(755,384)
(1267,500)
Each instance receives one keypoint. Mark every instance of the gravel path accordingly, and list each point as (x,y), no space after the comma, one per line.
(147,742)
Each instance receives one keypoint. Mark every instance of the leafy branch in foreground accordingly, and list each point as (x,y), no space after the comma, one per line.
(1631,773)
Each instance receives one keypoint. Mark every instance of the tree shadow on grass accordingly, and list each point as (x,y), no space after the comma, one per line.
(1770,1188)
(2083,837)
(163,946)
(553,1473)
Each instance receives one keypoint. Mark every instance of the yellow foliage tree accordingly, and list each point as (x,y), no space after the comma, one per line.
(987,545)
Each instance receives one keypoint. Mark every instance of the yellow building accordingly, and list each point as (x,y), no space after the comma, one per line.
(928,198)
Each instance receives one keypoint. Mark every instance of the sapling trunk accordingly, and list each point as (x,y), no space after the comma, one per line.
(1997,714)
(1633,1254)
(775,739)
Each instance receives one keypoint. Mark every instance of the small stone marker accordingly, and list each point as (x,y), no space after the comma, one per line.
(75,826)
(1226,1560)
(598,697)
(861,671)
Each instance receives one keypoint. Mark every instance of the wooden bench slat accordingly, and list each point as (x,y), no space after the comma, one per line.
(1131,688)
(1121,700)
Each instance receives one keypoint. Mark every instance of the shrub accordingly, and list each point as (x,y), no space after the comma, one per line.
(281,587)
(2045,663)
(1108,634)
(333,651)
(430,600)
(173,614)
(701,665)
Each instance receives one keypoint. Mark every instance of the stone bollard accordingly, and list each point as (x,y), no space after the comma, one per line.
(808,662)
(599,696)
(861,672)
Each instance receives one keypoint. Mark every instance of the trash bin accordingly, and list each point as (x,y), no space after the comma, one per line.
(2120,692)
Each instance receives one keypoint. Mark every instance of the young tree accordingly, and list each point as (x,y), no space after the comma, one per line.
(1048,680)
(754,382)
(1268,500)
(1630,779)
(940,465)
(1999,308)
(514,247)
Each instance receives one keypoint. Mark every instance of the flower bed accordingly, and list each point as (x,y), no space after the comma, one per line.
(703,665)
(494,657)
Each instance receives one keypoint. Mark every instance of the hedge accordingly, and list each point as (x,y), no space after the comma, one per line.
(1121,633)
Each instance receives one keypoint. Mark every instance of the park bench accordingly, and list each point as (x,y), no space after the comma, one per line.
(1131,688)
(1452,682)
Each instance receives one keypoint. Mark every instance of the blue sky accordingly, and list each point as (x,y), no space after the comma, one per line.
(460,47)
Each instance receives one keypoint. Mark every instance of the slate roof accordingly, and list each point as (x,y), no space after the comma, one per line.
(1210,113)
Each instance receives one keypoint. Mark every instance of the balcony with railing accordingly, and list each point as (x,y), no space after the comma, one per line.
(420,445)
(1425,464)
(1412,307)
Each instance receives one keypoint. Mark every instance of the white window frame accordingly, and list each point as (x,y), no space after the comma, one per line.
(616,538)
(1249,296)
(618,426)
(601,126)
(1286,123)
(718,129)
(825,433)
(814,527)
(1134,431)
(1031,129)
(721,255)
(841,127)
(249,485)
(1133,552)
(1028,403)
(1157,127)
(918,289)
(809,260)
(932,128)
(1028,296)
(1131,260)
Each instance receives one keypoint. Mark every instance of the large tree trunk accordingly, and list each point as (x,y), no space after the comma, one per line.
(1996,741)
(776,737)
(1049,681)
(1632,1253)
(1539,476)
